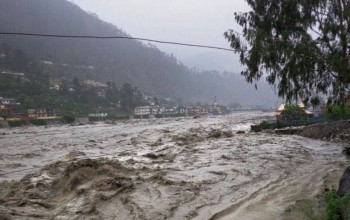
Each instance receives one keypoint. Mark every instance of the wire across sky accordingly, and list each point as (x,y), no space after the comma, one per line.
(116,37)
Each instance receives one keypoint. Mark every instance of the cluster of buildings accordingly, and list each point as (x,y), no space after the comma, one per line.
(55,84)
(156,110)
(44,114)
(98,87)
(17,75)
(8,112)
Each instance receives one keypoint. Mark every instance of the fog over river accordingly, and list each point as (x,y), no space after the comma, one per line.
(173,168)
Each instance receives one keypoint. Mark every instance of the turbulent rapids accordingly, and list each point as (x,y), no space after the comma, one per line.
(181,168)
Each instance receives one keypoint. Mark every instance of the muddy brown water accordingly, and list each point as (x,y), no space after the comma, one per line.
(180,168)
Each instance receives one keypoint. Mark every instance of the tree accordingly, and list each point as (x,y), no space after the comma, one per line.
(156,101)
(20,60)
(315,102)
(76,84)
(112,93)
(126,97)
(301,45)
(293,112)
(109,84)
(235,105)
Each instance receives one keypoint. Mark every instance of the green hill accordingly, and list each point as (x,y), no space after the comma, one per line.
(121,61)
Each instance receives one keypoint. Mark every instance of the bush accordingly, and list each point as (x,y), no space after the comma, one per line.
(38,122)
(293,112)
(337,207)
(338,111)
(280,124)
(17,123)
(310,210)
(95,119)
(266,125)
(68,118)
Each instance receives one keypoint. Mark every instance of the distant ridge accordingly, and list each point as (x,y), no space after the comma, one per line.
(139,64)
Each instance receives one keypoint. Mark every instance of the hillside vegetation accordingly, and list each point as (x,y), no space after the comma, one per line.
(121,61)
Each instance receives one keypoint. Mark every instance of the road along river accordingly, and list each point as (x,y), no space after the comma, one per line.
(178,168)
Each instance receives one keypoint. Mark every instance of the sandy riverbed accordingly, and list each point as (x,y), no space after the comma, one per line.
(180,168)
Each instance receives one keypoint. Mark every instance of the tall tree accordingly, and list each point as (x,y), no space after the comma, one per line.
(301,45)
(126,97)
(76,84)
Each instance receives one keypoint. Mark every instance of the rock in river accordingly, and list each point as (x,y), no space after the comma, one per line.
(344,184)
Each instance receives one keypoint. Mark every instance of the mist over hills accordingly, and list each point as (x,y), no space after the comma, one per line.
(140,64)
(214,60)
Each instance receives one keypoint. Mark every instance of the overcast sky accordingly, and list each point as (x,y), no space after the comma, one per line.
(188,21)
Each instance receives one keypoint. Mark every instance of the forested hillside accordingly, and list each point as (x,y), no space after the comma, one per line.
(121,61)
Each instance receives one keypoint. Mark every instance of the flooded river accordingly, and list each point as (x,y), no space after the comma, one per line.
(179,168)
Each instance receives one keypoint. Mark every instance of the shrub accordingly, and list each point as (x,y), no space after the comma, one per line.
(265,125)
(310,210)
(17,123)
(280,124)
(68,118)
(293,112)
(38,122)
(337,207)
(338,111)
(95,119)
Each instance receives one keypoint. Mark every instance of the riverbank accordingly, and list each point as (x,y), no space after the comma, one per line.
(337,132)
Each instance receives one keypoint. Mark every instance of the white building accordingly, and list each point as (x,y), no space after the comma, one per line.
(147,110)
(143,110)
(9,101)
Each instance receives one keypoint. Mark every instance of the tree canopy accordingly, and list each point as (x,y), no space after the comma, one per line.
(293,112)
(302,46)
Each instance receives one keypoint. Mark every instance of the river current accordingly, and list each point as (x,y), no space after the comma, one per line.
(183,168)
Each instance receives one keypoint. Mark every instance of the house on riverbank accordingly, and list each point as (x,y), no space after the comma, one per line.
(285,117)
(43,114)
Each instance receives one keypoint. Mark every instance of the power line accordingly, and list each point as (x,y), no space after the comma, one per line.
(135,38)
(116,37)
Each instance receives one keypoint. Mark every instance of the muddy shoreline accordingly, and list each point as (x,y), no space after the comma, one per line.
(337,132)
(180,168)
